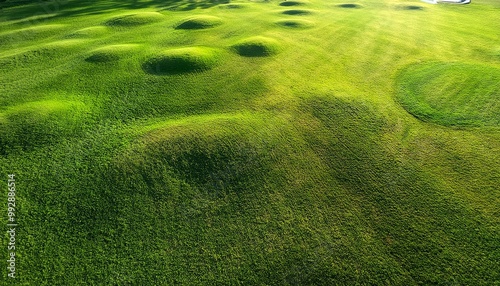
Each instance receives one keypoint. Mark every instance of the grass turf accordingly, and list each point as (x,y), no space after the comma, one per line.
(364,152)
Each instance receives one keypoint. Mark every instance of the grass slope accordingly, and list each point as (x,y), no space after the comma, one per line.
(337,144)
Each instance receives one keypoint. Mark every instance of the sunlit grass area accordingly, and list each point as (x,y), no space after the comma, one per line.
(252,142)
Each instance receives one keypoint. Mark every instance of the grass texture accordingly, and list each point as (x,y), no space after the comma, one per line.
(251,142)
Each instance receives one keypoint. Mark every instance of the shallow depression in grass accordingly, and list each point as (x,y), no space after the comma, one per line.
(137,19)
(257,47)
(182,60)
(199,22)
(451,94)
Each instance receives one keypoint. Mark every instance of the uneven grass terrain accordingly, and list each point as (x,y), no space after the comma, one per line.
(251,142)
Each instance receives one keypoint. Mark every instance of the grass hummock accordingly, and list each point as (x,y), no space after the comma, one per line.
(199,22)
(350,5)
(137,19)
(110,53)
(182,60)
(357,144)
(293,3)
(257,47)
(296,23)
(452,94)
(298,12)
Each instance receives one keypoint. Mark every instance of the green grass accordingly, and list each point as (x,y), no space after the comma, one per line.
(199,22)
(296,23)
(298,12)
(182,60)
(452,94)
(111,53)
(293,3)
(257,46)
(355,144)
(142,18)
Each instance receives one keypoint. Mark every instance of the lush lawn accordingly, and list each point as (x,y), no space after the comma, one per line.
(251,142)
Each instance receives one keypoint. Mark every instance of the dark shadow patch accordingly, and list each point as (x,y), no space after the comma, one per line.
(233,6)
(412,8)
(295,24)
(292,3)
(349,6)
(297,12)
(199,22)
(138,19)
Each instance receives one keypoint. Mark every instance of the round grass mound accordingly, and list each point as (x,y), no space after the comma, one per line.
(110,53)
(297,12)
(257,47)
(182,60)
(137,19)
(350,5)
(36,123)
(199,22)
(296,24)
(203,151)
(292,3)
(233,6)
(451,94)
(411,7)
(89,32)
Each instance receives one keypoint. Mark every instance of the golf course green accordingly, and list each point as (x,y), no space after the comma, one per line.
(249,142)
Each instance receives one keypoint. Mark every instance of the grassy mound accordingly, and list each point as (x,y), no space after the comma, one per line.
(138,19)
(292,3)
(36,123)
(411,7)
(29,34)
(182,60)
(451,94)
(257,47)
(89,32)
(297,24)
(298,12)
(206,152)
(61,45)
(110,53)
(199,22)
(350,5)
(233,6)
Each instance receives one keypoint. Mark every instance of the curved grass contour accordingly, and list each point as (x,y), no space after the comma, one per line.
(36,123)
(297,12)
(182,60)
(257,47)
(295,23)
(199,22)
(142,18)
(110,53)
(451,94)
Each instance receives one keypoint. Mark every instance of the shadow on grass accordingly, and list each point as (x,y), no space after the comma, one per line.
(21,9)
(412,7)
(350,6)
